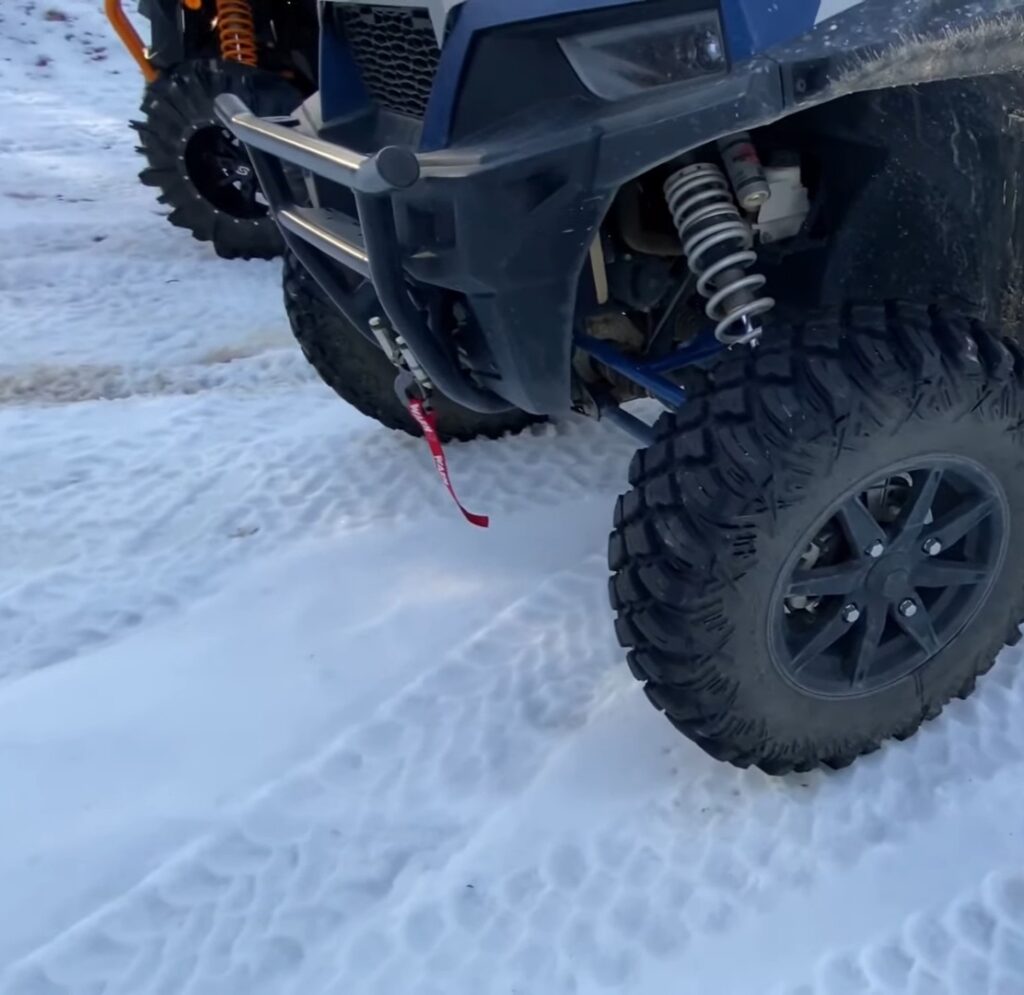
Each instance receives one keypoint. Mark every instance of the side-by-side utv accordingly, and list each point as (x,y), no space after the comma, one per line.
(262,51)
(798,224)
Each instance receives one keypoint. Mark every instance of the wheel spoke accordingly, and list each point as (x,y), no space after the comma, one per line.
(967,515)
(868,638)
(948,573)
(915,512)
(889,572)
(839,579)
(919,627)
(820,640)
(860,526)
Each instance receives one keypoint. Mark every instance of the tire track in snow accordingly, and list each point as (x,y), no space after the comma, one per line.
(376,861)
(58,384)
(643,896)
(118,284)
(241,910)
(974,945)
(159,498)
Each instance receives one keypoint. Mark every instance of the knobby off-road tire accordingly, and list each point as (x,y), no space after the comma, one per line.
(360,373)
(737,479)
(187,151)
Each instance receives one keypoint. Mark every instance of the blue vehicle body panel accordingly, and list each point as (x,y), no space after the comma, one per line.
(780,30)
(753,26)
(750,27)
(475,16)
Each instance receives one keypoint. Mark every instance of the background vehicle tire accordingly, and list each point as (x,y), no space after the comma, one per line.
(361,374)
(900,416)
(202,172)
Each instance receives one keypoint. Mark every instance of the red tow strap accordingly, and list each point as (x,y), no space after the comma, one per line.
(426,418)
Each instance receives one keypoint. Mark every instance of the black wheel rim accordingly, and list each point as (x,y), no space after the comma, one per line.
(221,172)
(888,577)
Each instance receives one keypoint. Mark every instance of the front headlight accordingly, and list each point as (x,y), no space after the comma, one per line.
(618,62)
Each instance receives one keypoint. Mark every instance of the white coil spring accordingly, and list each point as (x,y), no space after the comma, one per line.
(707,218)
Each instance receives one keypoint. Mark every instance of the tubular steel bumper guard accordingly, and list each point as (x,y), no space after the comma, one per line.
(371,249)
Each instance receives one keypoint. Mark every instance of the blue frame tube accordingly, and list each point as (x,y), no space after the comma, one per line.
(649,375)
(703,347)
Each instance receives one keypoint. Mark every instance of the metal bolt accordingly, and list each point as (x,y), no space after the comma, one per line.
(850,614)
(875,550)
(908,608)
(932,547)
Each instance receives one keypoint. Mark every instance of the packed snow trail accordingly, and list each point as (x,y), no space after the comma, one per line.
(274,720)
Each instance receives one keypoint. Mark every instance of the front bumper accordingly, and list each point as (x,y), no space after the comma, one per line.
(369,177)
(506,224)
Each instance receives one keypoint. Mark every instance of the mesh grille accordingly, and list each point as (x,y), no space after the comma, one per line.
(396,52)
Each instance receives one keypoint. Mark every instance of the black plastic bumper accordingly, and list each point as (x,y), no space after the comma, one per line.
(506,224)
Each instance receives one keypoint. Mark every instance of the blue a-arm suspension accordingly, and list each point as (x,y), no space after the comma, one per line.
(648,374)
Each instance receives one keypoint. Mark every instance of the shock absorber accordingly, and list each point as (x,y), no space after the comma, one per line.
(236,31)
(719,246)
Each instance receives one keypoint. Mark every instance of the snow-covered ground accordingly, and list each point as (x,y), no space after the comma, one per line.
(273,720)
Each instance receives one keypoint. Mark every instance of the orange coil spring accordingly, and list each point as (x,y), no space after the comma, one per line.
(237,31)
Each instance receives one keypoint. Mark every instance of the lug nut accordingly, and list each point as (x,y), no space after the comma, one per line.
(850,614)
(932,547)
(908,608)
(875,550)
